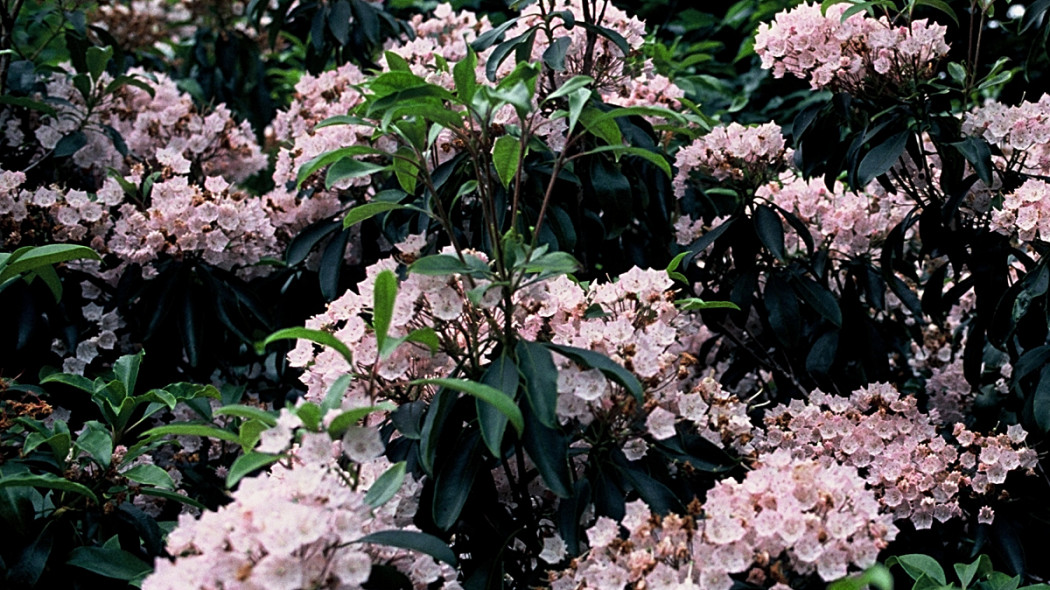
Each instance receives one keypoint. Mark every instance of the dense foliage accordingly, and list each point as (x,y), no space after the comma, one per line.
(567,293)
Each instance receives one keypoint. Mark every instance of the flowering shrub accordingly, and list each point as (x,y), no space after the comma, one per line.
(555,324)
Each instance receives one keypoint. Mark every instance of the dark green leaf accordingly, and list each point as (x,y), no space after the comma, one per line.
(413,541)
(820,299)
(343,421)
(349,168)
(541,380)
(554,55)
(501,375)
(977,153)
(549,450)
(331,157)
(368,210)
(202,430)
(46,480)
(38,256)
(455,479)
(70,144)
(881,158)
(770,230)
(783,309)
(96,441)
(109,562)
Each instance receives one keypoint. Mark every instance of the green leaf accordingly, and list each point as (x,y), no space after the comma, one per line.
(438,412)
(447,264)
(916,565)
(413,541)
(405,169)
(48,481)
(70,144)
(506,157)
(340,423)
(770,230)
(97,59)
(605,129)
(28,103)
(877,575)
(331,157)
(554,55)
(610,368)
(454,481)
(310,415)
(334,398)
(316,336)
(980,568)
(202,430)
(247,412)
(97,442)
(349,168)
(463,73)
(384,295)
(820,299)
(578,99)
(386,485)
(39,256)
(541,380)
(169,495)
(652,157)
(696,304)
(978,154)
(127,370)
(109,562)
(549,450)
(881,158)
(78,381)
(502,375)
(499,400)
(150,475)
(571,85)
(369,210)
(246,464)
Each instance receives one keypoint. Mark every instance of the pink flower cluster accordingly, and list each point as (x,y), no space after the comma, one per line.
(732,152)
(317,98)
(1022,132)
(1025,212)
(850,222)
(858,54)
(803,514)
(165,123)
(915,472)
(422,300)
(225,227)
(287,529)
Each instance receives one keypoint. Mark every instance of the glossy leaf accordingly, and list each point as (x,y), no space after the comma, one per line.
(881,158)
(247,464)
(109,562)
(541,380)
(386,485)
(501,375)
(413,541)
(316,336)
(384,295)
(369,210)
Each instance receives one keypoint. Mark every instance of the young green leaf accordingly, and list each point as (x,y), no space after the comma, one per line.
(386,485)
(317,336)
(384,295)
(506,157)
(247,464)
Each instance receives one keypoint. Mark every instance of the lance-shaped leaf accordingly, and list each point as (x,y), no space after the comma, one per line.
(384,296)
(386,485)
(541,380)
(506,157)
(331,157)
(317,336)
(414,541)
(502,375)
